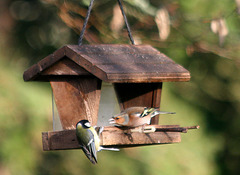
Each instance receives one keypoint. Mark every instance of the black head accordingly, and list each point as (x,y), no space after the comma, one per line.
(84,123)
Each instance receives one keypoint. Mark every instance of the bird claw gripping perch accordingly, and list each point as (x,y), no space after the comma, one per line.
(144,129)
(100,130)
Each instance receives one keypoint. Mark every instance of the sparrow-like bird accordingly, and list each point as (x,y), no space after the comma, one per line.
(89,140)
(136,116)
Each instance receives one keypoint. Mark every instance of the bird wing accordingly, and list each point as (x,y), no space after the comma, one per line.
(91,146)
(88,145)
(136,114)
(146,112)
(88,154)
(153,112)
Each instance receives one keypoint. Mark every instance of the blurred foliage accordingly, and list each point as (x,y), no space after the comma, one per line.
(33,29)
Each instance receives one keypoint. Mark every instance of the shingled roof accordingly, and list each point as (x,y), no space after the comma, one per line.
(110,63)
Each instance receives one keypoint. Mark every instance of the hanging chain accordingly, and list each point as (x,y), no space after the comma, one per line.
(126,22)
(85,23)
(88,15)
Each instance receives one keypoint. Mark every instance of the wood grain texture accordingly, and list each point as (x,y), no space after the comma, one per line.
(34,72)
(114,63)
(110,137)
(139,94)
(156,100)
(65,67)
(77,99)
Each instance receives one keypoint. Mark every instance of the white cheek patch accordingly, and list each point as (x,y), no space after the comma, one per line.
(87,124)
(79,124)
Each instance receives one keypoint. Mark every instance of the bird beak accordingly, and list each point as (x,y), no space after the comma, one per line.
(112,121)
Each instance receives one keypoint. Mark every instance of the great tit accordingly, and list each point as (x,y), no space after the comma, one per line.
(89,140)
(136,116)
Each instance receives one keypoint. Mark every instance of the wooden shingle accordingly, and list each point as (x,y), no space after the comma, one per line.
(110,63)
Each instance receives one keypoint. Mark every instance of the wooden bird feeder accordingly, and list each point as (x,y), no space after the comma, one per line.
(76,74)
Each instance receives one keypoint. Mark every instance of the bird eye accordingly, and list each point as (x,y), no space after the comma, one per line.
(117,118)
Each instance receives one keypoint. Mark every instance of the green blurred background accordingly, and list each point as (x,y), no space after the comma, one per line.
(201,35)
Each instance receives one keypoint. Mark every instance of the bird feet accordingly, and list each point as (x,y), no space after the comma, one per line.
(99,129)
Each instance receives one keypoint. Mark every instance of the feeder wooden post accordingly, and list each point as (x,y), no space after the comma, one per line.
(77,99)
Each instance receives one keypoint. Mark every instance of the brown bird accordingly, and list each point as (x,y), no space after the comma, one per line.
(136,116)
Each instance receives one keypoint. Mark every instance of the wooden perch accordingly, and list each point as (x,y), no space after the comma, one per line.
(178,129)
(115,137)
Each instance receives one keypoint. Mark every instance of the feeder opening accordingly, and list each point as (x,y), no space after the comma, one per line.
(108,104)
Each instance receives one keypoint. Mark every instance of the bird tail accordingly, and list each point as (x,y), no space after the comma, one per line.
(153,112)
(161,112)
(108,149)
(89,155)
(164,112)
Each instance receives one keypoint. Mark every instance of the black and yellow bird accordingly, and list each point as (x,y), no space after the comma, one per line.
(89,140)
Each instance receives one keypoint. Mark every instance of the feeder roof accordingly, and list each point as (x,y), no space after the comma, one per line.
(112,63)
